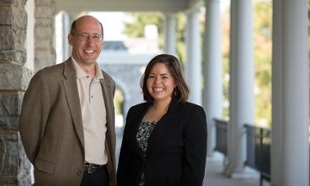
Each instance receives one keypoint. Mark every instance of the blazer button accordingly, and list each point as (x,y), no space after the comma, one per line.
(79,173)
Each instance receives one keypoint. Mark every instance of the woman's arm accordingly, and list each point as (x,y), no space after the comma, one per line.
(195,148)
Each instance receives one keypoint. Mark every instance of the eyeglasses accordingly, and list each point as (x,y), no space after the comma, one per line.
(86,37)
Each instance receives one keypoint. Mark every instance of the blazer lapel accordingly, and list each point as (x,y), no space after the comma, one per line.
(138,119)
(72,97)
(151,142)
(108,100)
(108,94)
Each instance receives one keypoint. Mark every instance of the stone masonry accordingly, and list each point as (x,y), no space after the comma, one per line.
(14,78)
(44,30)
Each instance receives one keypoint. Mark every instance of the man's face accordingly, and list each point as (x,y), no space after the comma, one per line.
(86,41)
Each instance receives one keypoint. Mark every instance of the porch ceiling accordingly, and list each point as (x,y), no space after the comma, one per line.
(78,6)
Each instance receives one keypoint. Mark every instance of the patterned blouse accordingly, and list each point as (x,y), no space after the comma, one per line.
(143,134)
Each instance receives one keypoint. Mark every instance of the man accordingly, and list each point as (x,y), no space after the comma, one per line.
(67,119)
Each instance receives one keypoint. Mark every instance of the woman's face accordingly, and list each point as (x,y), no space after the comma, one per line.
(160,83)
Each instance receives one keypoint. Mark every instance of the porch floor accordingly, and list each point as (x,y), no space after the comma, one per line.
(214,175)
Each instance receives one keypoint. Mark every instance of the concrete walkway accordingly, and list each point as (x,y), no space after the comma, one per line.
(214,175)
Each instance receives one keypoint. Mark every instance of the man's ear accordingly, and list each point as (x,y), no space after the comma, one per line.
(70,39)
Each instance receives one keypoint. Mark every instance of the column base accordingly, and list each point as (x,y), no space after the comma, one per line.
(228,169)
(246,173)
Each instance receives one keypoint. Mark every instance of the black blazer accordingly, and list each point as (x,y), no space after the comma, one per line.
(176,153)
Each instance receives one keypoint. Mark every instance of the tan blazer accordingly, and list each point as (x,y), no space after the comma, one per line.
(51,126)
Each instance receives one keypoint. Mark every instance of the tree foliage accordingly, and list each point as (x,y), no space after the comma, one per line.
(135,28)
(140,20)
(263,61)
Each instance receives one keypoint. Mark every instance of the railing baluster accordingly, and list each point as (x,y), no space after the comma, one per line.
(262,145)
(258,144)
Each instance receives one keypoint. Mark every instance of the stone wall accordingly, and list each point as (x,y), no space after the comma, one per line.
(127,78)
(14,78)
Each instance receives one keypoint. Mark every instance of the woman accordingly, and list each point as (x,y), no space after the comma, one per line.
(165,138)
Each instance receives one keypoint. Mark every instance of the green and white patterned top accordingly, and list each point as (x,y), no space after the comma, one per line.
(143,134)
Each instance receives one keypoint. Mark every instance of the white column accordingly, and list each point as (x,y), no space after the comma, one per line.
(290,94)
(241,96)
(30,9)
(62,29)
(212,71)
(169,31)
(193,58)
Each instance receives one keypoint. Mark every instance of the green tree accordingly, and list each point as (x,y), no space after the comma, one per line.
(140,20)
(263,60)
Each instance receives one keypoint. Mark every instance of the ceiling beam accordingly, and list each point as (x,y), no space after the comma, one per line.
(78,6)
